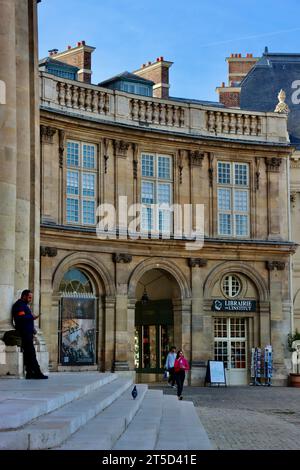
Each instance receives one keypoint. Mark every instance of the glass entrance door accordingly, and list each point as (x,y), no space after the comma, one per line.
(153,335)
(230,346)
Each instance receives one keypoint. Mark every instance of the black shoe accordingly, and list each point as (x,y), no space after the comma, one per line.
(181,397)
(30,376)
(41,376)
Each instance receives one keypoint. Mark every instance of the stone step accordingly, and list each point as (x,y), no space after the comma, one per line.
(52,429)
(30,399)
(180,427)
(143,430)
(102,432)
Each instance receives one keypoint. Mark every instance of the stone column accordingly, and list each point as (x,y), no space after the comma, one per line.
(34,272)
(23,149)
(122,338)
(277,326)
(8,161)
(200,334)
(50,176)
(109,334)
(273,173)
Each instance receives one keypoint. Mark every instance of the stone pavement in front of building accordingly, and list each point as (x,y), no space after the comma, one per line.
(247,418)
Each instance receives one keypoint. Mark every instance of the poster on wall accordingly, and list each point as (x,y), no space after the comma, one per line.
(78,332)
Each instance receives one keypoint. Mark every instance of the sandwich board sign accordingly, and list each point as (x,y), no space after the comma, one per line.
(215,373)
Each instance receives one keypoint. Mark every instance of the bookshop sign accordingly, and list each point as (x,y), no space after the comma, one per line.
(234,305)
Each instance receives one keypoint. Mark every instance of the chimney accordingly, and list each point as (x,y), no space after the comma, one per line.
(158,72)
(80,56)
(238,68)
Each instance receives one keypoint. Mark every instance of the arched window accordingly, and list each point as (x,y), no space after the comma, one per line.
(75,282)
(77,324)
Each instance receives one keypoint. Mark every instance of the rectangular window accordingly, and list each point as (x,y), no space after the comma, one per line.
(81,190)
(233,199)
(156,192)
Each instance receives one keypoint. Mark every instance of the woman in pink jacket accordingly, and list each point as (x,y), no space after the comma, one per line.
(180,366)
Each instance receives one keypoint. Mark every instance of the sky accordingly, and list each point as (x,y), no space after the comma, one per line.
(197,35)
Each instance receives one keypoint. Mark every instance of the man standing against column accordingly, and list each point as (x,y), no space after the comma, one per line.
(24,323)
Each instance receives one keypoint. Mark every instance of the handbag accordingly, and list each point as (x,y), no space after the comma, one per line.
(166,375)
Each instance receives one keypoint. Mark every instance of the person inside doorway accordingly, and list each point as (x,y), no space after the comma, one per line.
(169,366)
(181,365)
(23,320)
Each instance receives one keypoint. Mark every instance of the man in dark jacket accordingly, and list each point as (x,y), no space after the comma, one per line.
(24,323)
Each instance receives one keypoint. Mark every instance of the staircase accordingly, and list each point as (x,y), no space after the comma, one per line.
(94,411)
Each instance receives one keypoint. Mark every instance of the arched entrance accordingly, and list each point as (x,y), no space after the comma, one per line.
(156,323)
(237,297)
(77,320)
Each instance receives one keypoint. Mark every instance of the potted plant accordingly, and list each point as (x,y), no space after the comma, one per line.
(294,347)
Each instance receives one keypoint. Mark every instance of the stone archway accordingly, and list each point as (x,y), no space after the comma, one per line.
(104,292)
(170,307)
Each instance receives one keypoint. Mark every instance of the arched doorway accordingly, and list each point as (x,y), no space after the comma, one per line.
(237,298)
(156,323)
(77,320)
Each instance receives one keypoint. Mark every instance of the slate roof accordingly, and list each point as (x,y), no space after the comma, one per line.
(126,76)
(260,87)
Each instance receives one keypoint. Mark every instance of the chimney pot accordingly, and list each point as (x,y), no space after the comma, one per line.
(83,43)
(69,47)
(78,44)
(223,84)
(161,57)
(157,60)
(240,55)
(149,62)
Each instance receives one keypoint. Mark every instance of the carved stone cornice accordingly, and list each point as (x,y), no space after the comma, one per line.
(273,164)
(121,147)
(196,157)
(47,133)
(194,262)
(48,251)
(122,258)
(279,265)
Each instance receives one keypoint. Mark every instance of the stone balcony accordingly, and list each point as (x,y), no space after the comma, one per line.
(186,118)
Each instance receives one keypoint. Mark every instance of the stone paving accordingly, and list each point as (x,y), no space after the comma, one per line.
(247,418)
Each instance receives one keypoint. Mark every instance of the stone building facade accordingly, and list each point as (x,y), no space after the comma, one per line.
(119,303)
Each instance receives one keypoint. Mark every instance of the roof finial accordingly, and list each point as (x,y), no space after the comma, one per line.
(282,107)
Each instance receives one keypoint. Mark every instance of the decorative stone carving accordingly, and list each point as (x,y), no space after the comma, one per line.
(47,134)
(105,156)
(122,258)
(48,251)
(180,165)
(273,164)
(194,262)
(257,173)
(135,161)
(61,147)
(279,265)
(121,147)
(196,157)
(293,198)
(282,107)
(210,169)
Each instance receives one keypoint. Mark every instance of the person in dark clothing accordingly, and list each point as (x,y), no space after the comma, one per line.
(23,320)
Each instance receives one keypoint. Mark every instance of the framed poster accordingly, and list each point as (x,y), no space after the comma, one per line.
(78,331)
(215,373)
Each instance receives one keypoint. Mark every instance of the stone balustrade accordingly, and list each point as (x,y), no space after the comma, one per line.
(184,117)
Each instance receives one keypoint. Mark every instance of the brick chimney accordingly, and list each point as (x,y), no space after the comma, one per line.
(238,68)
(158,72)
(80,56)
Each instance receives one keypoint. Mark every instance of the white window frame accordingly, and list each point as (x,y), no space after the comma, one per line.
(156,181)
(229,339)
(81,170)
(234,189)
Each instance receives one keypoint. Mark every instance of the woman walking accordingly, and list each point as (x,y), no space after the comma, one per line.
(180,366)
